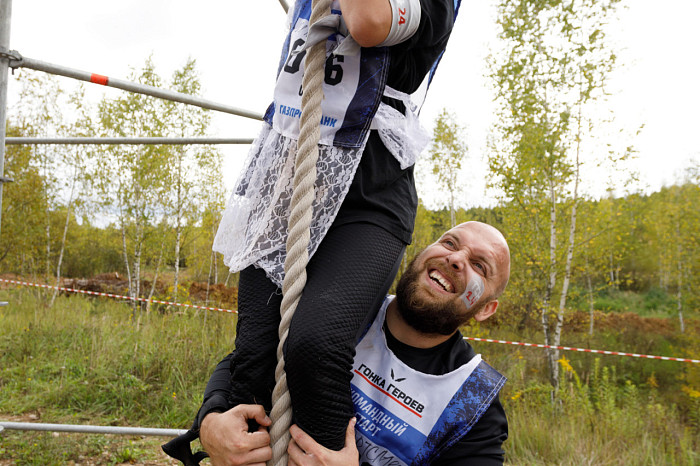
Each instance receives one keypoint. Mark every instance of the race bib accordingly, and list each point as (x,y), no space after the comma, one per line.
(352,86)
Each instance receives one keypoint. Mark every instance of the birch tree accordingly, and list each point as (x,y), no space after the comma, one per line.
(188,166)
(553,65)
(132,179)
(39,113)
(447,152)
(74,166)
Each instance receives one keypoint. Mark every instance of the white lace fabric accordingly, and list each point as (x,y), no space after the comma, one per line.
(253,229)
(401,134)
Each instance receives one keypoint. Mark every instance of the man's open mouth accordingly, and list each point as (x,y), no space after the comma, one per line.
(438,278)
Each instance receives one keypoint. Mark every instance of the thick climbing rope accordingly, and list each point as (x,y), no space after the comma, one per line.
(298,237)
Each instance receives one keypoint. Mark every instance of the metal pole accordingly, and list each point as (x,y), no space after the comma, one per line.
(91,429)
(24,62)
(153,140)
(5,13)
(284,5)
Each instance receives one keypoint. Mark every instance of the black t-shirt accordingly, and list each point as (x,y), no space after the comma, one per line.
(381,192)
(482,446)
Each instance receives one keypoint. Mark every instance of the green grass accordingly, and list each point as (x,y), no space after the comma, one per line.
(85,361)
(606,421)
(654,302)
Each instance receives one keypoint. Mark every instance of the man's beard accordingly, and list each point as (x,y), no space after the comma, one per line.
(425,314)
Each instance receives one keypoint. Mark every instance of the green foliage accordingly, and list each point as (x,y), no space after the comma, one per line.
(606,420)
(608,410)
(23,205)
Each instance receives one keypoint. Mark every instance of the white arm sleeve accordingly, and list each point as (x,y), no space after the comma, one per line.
(405,18)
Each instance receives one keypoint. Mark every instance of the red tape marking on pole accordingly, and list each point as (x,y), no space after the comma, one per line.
(108,295)
(584,350)
(99,79)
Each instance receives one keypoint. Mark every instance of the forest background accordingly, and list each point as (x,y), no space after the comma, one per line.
(619,272)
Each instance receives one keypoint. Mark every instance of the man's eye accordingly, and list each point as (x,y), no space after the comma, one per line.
(449,243)
(480,266)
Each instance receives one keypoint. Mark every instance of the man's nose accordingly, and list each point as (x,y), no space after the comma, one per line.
(457,260)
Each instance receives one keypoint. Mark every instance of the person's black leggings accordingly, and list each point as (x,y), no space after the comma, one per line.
(347,279)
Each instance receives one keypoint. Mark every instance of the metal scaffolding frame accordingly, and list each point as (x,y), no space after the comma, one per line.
(107,141)
(5,15)
(11,59)
(18,61)
(85,429)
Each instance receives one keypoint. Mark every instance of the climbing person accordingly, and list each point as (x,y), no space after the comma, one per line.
(421,394)
(378,53)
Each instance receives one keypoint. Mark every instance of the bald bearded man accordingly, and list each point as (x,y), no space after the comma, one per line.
(421,393)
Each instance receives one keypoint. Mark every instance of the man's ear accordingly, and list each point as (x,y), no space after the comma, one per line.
(487,311)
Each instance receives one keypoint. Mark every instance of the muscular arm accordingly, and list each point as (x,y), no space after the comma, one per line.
(368,21)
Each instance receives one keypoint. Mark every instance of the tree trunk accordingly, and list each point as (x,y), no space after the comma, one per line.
(63,241)
(178,236)
(125,255)
(552,354)
(155,276)
(216,259)
(178,225)
(47,271)
(613,282)
(212,258)
(137,278)
(679,295)
(216,268)
(569,262)
(590,304)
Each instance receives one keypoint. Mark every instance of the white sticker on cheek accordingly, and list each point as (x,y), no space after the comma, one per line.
(474,291)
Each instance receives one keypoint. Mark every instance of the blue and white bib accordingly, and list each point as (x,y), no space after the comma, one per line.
(406,417)
(353,85)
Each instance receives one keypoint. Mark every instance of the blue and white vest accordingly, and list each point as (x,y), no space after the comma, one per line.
(406,417)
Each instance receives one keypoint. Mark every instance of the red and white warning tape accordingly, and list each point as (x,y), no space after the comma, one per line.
(584,350)
(487,340)
(108,295)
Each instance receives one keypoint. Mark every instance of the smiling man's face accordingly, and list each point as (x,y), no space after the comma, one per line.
(454,279)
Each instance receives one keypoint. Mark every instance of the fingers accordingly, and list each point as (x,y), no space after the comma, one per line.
(256,412)
(302,439)
(350,432)
(258,439)
(296,454)
(226,438)
(304,451)
(258,456)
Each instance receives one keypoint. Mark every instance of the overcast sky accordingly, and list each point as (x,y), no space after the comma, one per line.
(236,44)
